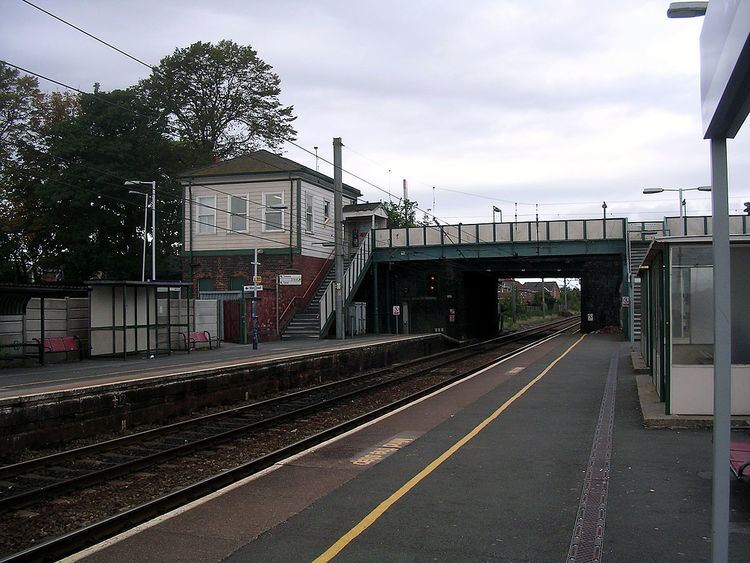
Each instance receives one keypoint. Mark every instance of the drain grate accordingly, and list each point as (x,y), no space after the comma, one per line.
(588,532)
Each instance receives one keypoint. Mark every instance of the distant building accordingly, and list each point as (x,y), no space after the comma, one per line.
(550,287)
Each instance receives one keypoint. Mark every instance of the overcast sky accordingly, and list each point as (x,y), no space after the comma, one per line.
(563,103)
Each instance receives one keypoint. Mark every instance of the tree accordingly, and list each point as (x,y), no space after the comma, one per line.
(65,205)
(402,214)
(222,100)
(21,104)
(22,107)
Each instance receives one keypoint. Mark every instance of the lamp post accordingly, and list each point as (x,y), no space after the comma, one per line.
(145,228)
(649,191)
(496,209)
(153,220)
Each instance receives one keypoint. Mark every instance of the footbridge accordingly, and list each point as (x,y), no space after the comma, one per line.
(444,278)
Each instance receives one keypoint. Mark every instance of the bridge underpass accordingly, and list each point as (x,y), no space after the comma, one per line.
(442,285)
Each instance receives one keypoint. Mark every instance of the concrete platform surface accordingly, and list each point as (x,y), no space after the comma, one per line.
(509,492)
(15,382)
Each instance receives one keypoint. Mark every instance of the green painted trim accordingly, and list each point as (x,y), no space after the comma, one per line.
(299,216)
(500,250)
(243,252)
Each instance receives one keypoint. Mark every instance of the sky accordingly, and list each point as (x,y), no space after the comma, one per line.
(524,105)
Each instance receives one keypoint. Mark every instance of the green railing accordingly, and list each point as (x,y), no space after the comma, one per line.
(352,278)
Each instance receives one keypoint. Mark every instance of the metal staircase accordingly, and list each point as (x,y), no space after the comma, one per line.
(640,236)
(638,252)
(353,276)
(306,323)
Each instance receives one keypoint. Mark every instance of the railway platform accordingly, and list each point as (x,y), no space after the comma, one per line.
(508,465)
(66,376)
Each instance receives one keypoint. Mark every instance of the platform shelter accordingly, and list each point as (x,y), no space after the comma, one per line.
(678,333)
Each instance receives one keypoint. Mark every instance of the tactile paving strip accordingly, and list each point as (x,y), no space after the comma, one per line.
(588,532)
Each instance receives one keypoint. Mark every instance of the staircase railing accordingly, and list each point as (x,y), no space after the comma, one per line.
(281,321)
(352,279)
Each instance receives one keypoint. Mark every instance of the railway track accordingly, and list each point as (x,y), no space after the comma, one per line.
(41,480)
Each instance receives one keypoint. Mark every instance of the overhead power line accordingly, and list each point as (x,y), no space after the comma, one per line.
(94,37)
(136,59)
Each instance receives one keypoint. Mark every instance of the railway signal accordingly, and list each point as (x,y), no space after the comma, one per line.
(432,284)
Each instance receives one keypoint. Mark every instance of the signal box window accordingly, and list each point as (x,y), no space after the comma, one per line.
(238,211)
(206,215)
(308,212)
(273,204)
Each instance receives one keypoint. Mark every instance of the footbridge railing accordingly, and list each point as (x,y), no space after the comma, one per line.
(352,279)
(491,233)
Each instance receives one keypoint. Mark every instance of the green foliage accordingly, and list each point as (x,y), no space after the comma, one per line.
(403,213)
(222,100)
(64,158)
(64,202)
(21,104)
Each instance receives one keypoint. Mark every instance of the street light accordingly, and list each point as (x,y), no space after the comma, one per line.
(153,221)
(648,191)
(687,9)
(145,228)
(496,209)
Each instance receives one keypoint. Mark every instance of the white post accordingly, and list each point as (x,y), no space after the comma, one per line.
(338,238)
(722,351)
(145,236)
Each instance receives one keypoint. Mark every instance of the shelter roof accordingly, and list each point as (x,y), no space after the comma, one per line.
(15,297)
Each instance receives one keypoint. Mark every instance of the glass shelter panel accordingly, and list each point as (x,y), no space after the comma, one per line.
(691,291)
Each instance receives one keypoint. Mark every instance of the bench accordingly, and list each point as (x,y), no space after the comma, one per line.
(190,339)
(739,458)
(60,344)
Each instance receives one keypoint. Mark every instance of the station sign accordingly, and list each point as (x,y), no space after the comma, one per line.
(251,288)
(290,279)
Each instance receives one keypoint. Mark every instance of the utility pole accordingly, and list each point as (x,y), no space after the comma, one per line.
(338,238)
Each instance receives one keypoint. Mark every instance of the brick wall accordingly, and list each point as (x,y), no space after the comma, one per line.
(221,269)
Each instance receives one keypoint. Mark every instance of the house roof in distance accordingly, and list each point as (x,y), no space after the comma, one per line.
(263,162)
(367,206)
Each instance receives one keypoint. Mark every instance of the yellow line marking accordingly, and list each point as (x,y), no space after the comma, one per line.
(378,511)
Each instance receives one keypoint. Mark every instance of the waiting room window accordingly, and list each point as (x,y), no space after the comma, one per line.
(238,212)
(273,204)
(206,215)
(327,212)
(236,283)
(308,212)
(205,284)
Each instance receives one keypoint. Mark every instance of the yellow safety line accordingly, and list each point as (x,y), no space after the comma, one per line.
(370,519)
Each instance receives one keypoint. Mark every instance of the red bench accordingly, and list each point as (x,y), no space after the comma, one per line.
(739,458)
(61,344)
(192,338)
